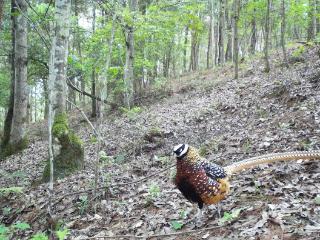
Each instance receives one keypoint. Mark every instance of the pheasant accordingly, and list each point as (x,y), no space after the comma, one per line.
(208,183)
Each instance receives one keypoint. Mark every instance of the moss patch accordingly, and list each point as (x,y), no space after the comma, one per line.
(71,156)
(9,149)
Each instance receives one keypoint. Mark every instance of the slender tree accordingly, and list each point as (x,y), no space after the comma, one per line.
(93,73)
(283,30)
(266,37)
(236,37)
(221,32)
(253,41)
(1,11)
(312,31)
(128,69)
(70,155)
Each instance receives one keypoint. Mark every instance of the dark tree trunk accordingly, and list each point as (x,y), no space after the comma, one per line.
(8,119)
(185,49)
(236,42)
(283,31)
(253,41)
(266,38)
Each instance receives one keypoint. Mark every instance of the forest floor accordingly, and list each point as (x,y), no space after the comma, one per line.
(228,120)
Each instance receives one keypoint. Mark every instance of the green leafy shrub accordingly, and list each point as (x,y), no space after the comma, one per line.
(63,233)
(7,191)
(39,236)
(132,112)
(83,204)
(299,51)
(154,192)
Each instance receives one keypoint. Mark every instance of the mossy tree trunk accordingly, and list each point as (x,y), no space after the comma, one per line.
(15,124)
(69,156)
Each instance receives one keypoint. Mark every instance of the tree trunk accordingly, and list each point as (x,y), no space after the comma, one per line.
(253,41)
(17,138)
(93,73)
(283,31)
(21,92)
(128,69)
(318,14)
(312,30)
(185,49)
(194,57)
(228,55)
(221,33)
(70,156)
(209,49)
(216,43)
(1,12)
(266,38)
(45,95)
(9,115)
(236,40)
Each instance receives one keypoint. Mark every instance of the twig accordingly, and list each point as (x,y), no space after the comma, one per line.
(86,118)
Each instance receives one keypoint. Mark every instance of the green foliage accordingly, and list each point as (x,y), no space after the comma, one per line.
(6,211)
(39,236)
(4,232)
(299,51)
(83,204)
(62,234)
(317,200)
(132,112)
(247,146)
(227,217)
(120,158)
(7,191)
(176,225)
(7,232)
(21,225)
(165,160)
(12,148)
(60,126)
(71,155)
(154,192)
(4,86)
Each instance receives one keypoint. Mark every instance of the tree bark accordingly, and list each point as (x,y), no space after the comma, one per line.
(186,33)
(128,69)
(228,20)
(19,119)
(70,156)
(253,41)
(221,59)
(312,30)
(216,43)
(236,42)
(1,12)
(210,33)
(266,38)
(93,73)
(9,115)
(283,31)
(194,57)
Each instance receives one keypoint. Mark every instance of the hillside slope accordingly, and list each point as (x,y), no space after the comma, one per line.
(229,120)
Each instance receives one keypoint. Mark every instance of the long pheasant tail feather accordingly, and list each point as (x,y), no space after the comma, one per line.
(270,158)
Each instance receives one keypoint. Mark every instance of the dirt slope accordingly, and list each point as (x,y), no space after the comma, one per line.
(229,120)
